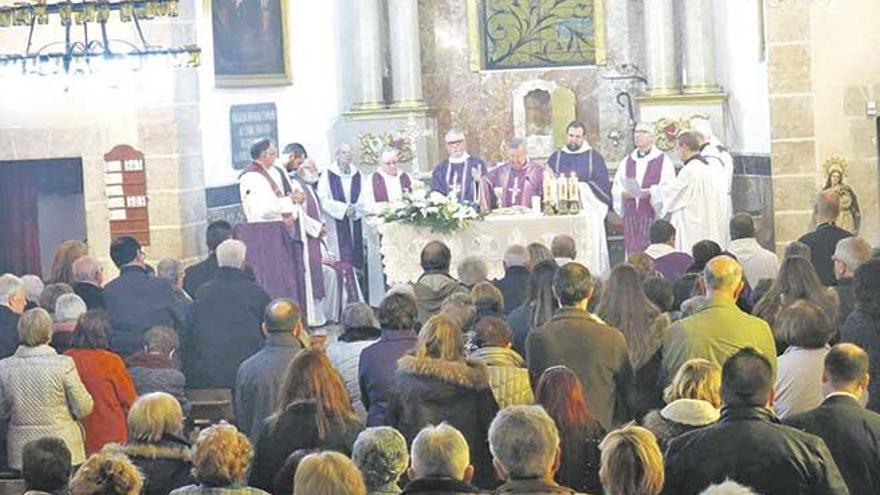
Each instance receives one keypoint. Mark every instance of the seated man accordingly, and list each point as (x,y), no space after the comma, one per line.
(564,249)
(525,447)
(440,463)
(514,285)
(46,466)
(851,432)
(668,262)
(435,284)
(748,445)
(89,277)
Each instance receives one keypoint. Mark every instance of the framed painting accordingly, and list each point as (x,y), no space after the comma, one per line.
(250,43)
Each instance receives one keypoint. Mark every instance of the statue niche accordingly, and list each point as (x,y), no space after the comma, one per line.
(541,112)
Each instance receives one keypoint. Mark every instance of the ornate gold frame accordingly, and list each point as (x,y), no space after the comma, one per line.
(475,40)
(262,80)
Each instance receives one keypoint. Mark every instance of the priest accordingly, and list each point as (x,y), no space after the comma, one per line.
(646,166)
(387,184)
(579,158)
(267,195)
(458,176)
(339,191)
(722,161)
(691,200)
(515,182)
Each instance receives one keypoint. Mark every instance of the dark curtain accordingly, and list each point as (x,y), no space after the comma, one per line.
(19,229)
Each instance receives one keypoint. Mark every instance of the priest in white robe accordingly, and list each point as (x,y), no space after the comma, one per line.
(720,158)
(339,191)
(385,186)
(594,188)
(646,166)
(691,201)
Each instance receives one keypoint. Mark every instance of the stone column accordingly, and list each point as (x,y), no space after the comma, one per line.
(406,61)
(699,47)
(369,53)
(663,78)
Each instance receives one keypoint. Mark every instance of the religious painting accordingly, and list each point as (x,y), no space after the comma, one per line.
(516,34)
(250,42)
(850,217)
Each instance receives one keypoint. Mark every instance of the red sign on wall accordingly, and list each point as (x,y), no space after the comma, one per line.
(125,181)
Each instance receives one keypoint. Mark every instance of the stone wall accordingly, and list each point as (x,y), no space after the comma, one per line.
(822,71)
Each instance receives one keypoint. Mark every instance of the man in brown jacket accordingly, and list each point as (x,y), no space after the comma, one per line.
(579,340)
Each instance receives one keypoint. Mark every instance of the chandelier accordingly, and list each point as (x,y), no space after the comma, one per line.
(93,50)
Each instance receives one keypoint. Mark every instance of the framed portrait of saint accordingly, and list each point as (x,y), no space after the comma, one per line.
(250,43)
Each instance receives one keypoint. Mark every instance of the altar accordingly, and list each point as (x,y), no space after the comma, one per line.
(401,244)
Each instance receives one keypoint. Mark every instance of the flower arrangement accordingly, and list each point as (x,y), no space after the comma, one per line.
(440,213)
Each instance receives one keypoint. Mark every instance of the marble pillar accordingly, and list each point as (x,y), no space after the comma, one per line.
(369,53)
(663,77)
(406,61)
(698,41)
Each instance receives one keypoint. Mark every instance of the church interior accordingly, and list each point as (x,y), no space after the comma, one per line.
(790,88)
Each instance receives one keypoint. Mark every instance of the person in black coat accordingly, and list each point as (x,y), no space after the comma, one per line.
(849,255)
(435,383)
(13,300)
(863,325)
(226,317)
(162,455)
(851,432)
(204,271)
(595,352)
(825,236)
(749,445)
(137,301)
(514,286)
(88,275)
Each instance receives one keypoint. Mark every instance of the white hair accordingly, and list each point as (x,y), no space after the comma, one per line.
(169,268)
(231,253)
(728,488)
(524,440)
(33,286)
(516,255)
(440,451)
(69,307)
(35,327)
(472,270)
(10,285)
(86,269)
(453,134)
(388,151)
(381,455)
(703,127)
(853,252)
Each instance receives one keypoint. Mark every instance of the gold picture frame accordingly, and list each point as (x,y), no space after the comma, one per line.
(475,37)
(248,56)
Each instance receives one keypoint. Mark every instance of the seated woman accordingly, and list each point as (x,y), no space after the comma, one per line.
(632,463)
(360,329)
(313,412)
(104,375)
(155,445)
(436,383)
(107,474)
(221,460)
(381,455)
(692,401)
(41,393)
(328,473)
(559,392)
(153,369)
(508,375)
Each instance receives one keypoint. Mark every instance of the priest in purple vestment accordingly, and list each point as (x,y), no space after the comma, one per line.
(458,176)
(579,157)
(516,181)
(646,166)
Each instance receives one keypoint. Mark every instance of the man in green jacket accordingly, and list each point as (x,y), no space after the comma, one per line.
(721,329)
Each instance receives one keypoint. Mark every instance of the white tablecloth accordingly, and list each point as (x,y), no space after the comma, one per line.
(401,244)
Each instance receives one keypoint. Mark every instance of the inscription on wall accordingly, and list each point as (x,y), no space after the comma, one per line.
(250,123)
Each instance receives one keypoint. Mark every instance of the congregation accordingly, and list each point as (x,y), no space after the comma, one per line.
(713,371)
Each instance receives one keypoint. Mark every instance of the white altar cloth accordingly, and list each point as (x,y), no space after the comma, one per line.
(401,244)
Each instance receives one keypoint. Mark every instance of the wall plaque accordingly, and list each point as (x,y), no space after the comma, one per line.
(125,183)
(250,123)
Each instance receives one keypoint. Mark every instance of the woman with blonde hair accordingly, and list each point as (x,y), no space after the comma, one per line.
(107,474)
(62,263)
(328,473)
(632,463)
(692,401)
(314,412)
(436,383)
(155,444)
(221,460)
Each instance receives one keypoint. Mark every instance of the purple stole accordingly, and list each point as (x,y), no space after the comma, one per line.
(519,186)
(256,167)
(380,191)
(313,210)
(638,215)
(564,166)
(351,249)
